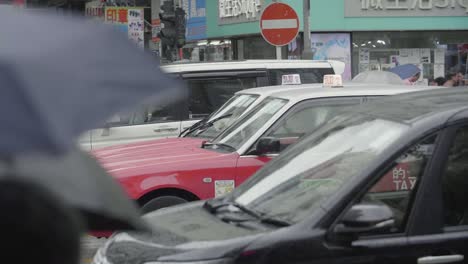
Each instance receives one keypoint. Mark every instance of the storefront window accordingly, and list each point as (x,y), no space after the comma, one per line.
(437,53)
(212,50)
(256,48)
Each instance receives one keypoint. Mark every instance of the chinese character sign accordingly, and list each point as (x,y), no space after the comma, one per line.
(238,11)
(402,8)
(136,27)
(116,16)
(398,179)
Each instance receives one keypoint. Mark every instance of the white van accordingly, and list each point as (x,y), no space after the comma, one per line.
(210,86)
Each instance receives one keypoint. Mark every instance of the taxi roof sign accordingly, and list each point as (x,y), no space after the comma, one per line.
(332,80)
(291,79)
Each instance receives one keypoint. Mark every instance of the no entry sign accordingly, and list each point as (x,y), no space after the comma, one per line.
(279,24)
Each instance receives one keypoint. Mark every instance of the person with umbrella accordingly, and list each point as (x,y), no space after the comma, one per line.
(75,76)
(36,226)
(409,73)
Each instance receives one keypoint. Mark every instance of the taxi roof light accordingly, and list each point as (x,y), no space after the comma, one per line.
(332,81)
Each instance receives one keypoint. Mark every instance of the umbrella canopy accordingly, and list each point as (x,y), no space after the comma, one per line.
(61,76)
(377,77)
(81,183)
(405,71)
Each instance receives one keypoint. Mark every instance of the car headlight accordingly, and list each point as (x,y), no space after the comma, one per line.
(213,261)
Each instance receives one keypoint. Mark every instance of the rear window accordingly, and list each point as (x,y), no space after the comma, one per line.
(308,75)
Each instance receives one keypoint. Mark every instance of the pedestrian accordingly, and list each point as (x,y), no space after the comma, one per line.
(36,227)
(413,79)
(454,79)
(439,81)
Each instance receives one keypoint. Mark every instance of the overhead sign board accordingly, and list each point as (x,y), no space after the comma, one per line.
(279,24)
(405,8)
(237,11)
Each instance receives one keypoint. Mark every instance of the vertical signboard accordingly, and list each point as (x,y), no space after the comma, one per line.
(95,10)
(117,16)
(196,19)
(333,46)
(156,28)
(136,26)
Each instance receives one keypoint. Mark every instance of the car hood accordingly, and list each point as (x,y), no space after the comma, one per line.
(145,147)
(183,233)
(159,156)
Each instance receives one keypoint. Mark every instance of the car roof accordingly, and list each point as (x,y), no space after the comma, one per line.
(421,105)
(269,90)
(307,91)
(248,64)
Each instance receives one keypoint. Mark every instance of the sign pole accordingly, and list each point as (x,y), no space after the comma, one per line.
(278,53)
(307,52)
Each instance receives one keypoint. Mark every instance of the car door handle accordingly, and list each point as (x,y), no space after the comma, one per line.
(164,129)
(440,259)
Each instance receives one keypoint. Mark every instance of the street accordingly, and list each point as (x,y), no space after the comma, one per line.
(89,246)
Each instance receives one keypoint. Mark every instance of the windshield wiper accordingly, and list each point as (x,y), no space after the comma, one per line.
(274,221)
(213,207)
(193,127)
(221,145)
(203,125)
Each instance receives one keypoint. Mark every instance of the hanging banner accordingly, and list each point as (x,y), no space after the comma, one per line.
(333,46)
(136,26)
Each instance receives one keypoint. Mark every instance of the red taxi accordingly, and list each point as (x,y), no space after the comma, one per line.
(173,171)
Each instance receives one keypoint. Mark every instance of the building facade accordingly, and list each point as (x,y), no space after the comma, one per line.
(366,34)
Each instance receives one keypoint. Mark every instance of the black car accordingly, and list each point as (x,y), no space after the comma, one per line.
(385,183)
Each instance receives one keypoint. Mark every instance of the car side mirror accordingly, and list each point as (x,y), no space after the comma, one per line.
(267,145)
(106,129)
(365,218)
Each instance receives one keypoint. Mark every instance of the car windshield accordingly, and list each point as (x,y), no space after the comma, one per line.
(243,129)
(225,116)
(314,169)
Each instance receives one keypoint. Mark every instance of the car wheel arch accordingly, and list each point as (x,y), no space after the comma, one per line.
(177,192)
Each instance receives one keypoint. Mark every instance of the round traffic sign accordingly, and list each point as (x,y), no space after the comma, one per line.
(279,24)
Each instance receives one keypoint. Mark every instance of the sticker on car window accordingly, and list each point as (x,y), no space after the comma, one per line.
(223,187)
(319,183)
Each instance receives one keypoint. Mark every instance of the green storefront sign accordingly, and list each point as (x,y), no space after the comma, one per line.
(348,16)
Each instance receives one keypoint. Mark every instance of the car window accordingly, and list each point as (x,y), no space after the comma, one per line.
(243,129)
(207,95)
(225,116)
(455,182)
(398,184)
(308,75)
(145,114)
(306,175)
(307,118)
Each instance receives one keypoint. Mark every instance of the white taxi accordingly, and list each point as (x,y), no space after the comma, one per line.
(210,86)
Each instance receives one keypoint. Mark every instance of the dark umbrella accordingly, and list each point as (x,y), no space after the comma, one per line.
(405,71)
(78,180)
(61,76)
